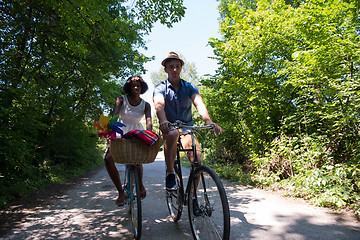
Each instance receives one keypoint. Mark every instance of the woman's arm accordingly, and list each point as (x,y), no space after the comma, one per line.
(118,103)
(148,116)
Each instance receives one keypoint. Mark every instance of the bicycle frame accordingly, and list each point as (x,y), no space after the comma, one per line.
(194,165)
(126,181)
(132,180)
(128,169)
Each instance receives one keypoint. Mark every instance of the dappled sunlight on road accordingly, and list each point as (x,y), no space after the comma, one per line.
(86,210)
(257,214)
(86,214)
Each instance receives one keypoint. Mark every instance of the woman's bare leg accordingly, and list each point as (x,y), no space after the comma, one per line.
(113,173)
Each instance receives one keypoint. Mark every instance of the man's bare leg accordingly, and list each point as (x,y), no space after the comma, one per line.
(170,142)
(186,142)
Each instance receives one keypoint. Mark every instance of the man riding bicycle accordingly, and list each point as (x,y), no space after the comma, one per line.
(173,99)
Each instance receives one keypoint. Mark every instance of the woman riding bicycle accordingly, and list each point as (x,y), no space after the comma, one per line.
(131,109)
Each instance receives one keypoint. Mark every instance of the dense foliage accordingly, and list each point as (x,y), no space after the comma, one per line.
(60,65)
(288,95)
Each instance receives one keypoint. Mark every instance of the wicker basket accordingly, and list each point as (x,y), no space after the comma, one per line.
(133,151)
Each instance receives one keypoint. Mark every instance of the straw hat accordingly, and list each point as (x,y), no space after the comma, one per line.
(172,55)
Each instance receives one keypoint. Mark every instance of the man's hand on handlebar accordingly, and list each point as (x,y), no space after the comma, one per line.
(178,124)
(164,127)
(217,129)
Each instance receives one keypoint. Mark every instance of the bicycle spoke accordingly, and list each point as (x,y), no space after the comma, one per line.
(175,199)
(211,219)
(135,203)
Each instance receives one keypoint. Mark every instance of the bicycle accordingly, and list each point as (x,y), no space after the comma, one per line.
(205,196)
(133,152)
(131,185)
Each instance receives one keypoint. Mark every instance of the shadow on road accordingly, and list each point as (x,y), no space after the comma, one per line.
(84,209)
(257,214)
(81,214)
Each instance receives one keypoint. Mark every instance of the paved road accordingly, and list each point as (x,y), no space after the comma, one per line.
(86,210)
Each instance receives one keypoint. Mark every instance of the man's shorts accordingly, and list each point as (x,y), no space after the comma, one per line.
(186,141)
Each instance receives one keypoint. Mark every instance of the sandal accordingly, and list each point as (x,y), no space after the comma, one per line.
(120,201)
(143,194)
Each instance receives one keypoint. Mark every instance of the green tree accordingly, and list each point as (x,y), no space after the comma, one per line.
(275,58)
(289,85)
(255,47)
(60,65)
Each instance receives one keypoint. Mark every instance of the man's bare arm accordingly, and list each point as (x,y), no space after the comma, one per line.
(202,110)
(159,103)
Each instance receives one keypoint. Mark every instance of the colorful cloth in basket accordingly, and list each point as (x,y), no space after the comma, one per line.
(146,136)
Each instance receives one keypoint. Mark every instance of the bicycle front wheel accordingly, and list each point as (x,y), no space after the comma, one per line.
(135,202)
(208,206)
(175,199)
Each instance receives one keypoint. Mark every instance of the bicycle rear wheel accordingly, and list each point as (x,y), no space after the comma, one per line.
(135,202)
(175,199)
(208,206)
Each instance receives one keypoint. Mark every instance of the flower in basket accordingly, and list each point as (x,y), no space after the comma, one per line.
(108,127)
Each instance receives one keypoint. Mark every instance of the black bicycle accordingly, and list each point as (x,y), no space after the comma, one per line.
(205,196)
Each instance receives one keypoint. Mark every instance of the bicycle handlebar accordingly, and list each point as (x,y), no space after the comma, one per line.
(179,124)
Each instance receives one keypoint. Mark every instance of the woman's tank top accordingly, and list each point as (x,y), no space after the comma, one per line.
(131,115)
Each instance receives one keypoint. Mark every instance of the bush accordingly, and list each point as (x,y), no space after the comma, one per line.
(304,169)
(67,150)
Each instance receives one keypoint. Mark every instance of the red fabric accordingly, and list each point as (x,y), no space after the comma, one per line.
(146,136)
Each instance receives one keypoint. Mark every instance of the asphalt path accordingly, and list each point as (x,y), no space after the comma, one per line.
(85,209)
